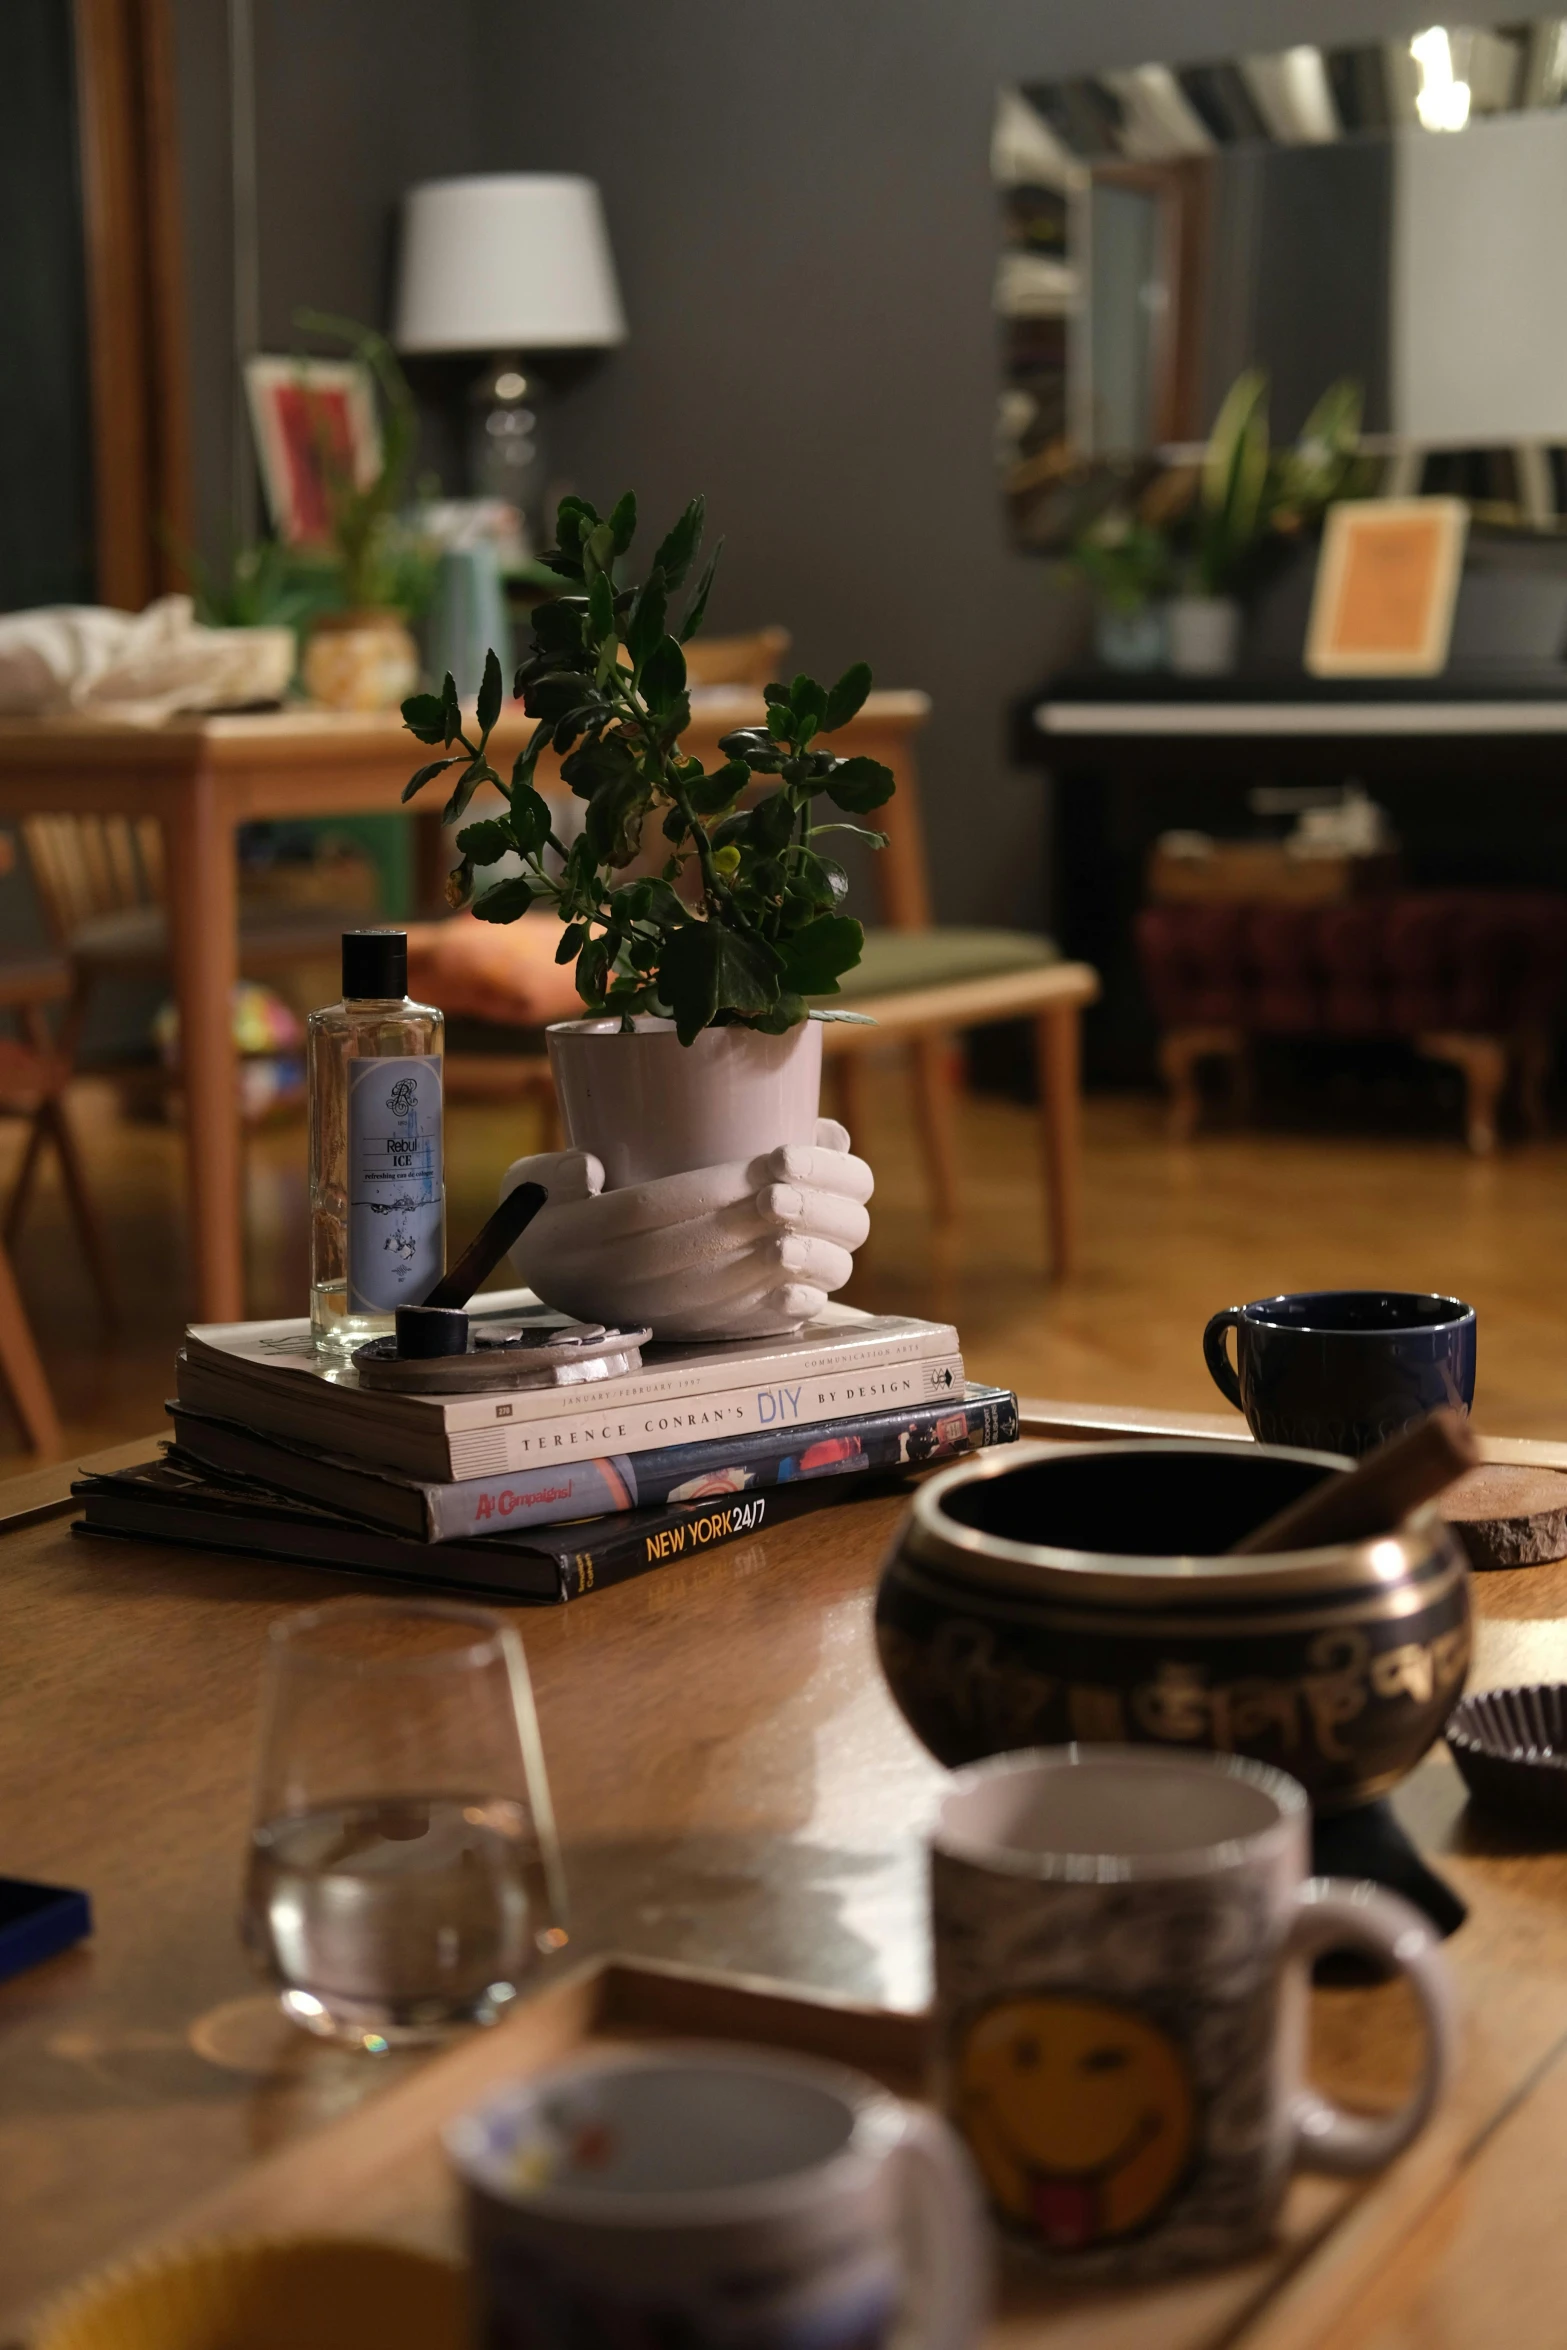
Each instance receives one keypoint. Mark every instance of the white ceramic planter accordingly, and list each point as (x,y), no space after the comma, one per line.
(1204,635)
(646,1105)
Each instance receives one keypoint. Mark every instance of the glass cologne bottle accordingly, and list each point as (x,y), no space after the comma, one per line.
(377,1186)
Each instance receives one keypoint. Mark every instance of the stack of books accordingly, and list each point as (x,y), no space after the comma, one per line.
(541,1493)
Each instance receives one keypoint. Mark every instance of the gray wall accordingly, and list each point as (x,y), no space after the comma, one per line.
(801,210)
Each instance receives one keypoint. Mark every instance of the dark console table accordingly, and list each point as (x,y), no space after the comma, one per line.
(1473,773)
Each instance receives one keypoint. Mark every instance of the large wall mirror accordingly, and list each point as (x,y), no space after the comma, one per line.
(1392,213)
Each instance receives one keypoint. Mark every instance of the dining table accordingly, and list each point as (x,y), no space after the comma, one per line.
(202,777)
(735,1791)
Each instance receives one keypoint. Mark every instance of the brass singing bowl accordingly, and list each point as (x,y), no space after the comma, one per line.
(1041,1594)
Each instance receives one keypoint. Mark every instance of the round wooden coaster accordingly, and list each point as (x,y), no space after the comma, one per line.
(1508,1517)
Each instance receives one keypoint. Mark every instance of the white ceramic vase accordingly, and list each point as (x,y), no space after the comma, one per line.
(1204,635)
(646,1105)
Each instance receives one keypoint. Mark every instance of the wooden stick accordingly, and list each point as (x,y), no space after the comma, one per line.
(1376,1496)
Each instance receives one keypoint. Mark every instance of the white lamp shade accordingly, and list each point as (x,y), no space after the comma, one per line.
(508,261)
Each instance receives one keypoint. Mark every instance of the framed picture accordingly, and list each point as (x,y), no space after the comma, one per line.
(314,420)
(1387,582)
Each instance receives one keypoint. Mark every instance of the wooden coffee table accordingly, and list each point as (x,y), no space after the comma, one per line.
(736,1790)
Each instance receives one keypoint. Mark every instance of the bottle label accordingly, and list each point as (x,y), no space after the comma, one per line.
(396,1193)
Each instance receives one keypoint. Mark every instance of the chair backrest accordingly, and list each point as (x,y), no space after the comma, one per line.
(84,866)
(737,660)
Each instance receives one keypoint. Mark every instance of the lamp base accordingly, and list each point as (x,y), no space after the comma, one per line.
(507,457)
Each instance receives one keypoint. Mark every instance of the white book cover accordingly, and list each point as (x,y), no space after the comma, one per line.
(267,1375)
(583,1424)
(280,1356)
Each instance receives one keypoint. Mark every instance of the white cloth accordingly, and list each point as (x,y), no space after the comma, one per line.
(743,1251)
(140,665)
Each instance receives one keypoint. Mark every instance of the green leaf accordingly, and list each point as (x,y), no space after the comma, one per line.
(530,819)
(697,612)
(572,941)
(552,696)
(424,715)
(780,722)
(860,785)
(707,969)
(846,697)
(808,700)
(574,518)
(786,1013)
(451,711)
(711,794)
(623,523)
(489,704)
(598,549)
(872,840)
(613,825)
(677,552)
(593,970)
(601,608)
(645,627)
(486,842)
(425,774)
(770,824)
(600,759)
(508,900)
(825,879)
(664,674)
(814,957)
(467,784)
(557,625)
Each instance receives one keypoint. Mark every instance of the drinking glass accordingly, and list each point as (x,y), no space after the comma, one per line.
(404,1872)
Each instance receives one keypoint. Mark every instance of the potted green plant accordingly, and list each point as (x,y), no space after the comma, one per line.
(1126,564)
(1246,494)
(359,652)
(701,907)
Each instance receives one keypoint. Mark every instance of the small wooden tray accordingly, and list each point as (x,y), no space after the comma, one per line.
(381,2172)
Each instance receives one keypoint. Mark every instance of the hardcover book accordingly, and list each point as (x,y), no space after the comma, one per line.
(665,1476)
(178,1499)
(267,1377)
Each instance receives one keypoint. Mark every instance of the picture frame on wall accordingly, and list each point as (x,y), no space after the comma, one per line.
(314,422)
(1386,587)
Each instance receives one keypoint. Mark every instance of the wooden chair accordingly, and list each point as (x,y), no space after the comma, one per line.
(33,1078)
(100,884)
(924,982)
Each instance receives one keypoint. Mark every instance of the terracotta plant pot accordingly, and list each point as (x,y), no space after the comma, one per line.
(360,661)
(646,1105)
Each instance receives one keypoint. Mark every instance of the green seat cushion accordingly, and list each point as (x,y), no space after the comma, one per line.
(897,960)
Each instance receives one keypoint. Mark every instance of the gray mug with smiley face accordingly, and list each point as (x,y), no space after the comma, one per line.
(1123,1942)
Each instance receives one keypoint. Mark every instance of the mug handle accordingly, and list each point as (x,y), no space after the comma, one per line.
(946,2242)
(1216,1354)
(1333,1913)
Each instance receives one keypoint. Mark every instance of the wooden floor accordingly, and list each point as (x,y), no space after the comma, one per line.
(1171,1232)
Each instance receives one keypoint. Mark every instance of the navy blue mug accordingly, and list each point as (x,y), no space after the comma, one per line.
(1341,1370)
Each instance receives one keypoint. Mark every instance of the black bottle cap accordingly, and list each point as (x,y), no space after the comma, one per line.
(375,963)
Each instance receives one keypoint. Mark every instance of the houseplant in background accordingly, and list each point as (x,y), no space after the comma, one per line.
(1126,563)
(1247,498)
(701,908)
(359,653)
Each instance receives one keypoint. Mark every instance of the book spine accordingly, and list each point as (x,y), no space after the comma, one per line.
(637,1546)
(711,1472)
(736,1411)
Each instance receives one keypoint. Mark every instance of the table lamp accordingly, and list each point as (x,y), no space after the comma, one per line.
(511,264)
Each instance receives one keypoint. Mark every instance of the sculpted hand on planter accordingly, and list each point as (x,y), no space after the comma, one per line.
(740,1251)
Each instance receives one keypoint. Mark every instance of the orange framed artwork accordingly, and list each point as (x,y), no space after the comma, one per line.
(1387,582)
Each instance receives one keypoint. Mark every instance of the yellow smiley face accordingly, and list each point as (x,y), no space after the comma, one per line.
(1079,2114)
